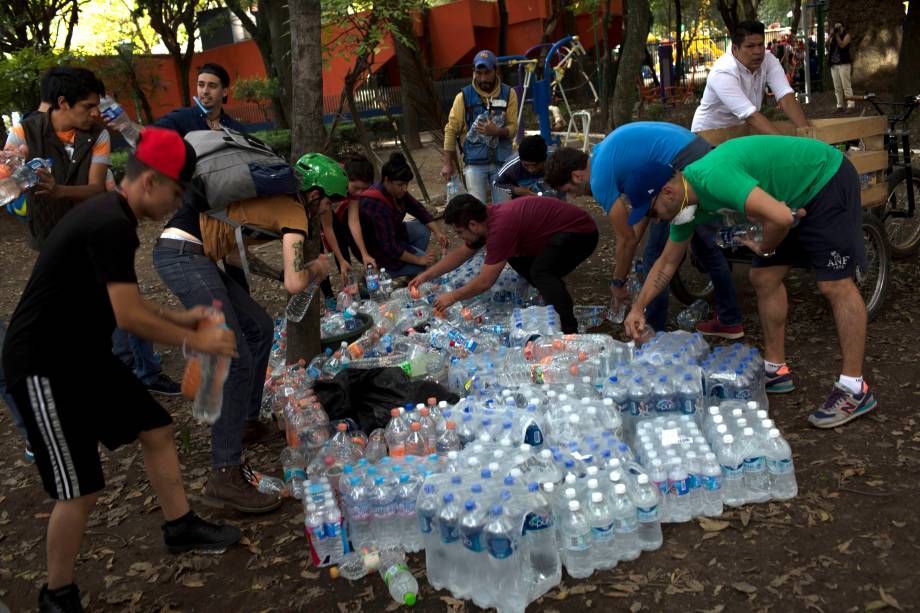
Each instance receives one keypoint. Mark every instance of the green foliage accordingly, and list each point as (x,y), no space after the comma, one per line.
(119,159)
(256,89)
(344,140)
(20,73)
(361,27)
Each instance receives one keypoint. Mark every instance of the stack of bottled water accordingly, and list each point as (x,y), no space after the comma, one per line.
(734,373)
(323,525)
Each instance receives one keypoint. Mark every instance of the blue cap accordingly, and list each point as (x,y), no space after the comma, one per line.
(485,58)
(643,185)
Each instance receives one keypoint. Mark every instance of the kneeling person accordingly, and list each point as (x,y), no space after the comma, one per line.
(85,273)
(806,195)
(543,239)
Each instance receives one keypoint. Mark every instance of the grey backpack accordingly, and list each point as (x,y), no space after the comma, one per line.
(233,166)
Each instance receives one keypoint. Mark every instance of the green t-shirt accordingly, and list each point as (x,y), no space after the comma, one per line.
(791,169)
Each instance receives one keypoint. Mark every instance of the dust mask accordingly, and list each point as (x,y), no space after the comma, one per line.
(687,211)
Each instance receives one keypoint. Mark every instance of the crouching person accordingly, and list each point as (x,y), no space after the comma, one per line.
(85,273)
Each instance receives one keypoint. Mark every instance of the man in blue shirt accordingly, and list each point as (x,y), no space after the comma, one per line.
(212,88)
(603,176)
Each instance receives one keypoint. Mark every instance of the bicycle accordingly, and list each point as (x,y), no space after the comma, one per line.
(898,215)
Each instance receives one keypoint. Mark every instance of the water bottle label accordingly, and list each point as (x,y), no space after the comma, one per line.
(647,514)
(472,541)
(393,570)
(712,483)
(752,465)
(780,467)
(743,393)
(665,405)
(602,534)
(577,542)
(500,547)
(533,436)
(681,487)
(536,521)
(373,285)
(662,487)
(332,529)
(633,407)
(425,525)
(449,534)
(731,472)
(625,525)
(113,112)
(693,482)
(407,509)
(294,473)
(688,406)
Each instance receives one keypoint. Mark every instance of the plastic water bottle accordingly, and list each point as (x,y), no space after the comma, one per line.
(454,188)
(416,444)
(448,525)
(386,283)
(316,534)
(731,236)
(626,524)
(645,498)
(335,535)
(600,519)
(118,119)
(473,136)
(435,554)
(780,467)
(293,464)
(711,488)
(694,465)
(732,462)
(505,579)
(448,440)
(213,371)
(359,512)
(406,496)
(756,480)
(398,578)
(472,524)
(689,393)
(383,503)
(24,177)
(541,566)
(692,315)
(576,542)
(372,280)
(658,474)
(396,434)
(299,303)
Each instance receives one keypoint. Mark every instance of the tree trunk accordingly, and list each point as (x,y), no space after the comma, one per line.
(750,9)
(679,43)
(74,18)
(637,20)
(359,125)
(906,83)
(184,64)
(307,133)
(404,55)
(796,15)
(303,337)
(503,36)
(728,9)
(279,31)
(605,92)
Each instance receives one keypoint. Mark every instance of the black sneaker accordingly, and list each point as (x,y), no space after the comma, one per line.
(164,386)
(196,534)
(62,600)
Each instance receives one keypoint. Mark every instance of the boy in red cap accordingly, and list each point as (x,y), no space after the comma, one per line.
(85,273)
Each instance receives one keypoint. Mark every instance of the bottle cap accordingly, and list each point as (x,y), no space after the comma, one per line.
(574,505)
(642,479)
(620,488)
(409,598)
(416,426)
(597,497)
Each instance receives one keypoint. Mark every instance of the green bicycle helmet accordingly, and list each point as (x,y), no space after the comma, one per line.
(317,170)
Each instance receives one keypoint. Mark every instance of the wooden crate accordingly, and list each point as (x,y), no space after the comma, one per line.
(872,160)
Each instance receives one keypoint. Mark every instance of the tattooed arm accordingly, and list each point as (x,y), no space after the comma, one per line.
(297,272)
(656,281)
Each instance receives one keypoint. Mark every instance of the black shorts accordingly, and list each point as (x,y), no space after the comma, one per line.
(66,418)
(829,239)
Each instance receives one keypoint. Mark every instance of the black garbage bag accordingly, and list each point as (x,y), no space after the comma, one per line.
(366,396)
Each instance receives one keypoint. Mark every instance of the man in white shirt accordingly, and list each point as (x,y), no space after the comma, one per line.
(736,84)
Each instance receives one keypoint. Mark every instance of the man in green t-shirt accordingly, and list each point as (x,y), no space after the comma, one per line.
(806,196)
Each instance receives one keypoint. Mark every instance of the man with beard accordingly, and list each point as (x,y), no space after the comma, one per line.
(483,119)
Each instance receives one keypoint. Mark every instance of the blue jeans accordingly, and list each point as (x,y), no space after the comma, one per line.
(196,279)
(137,354)
(17,418)
(479,181)
(419,235)
(710,257)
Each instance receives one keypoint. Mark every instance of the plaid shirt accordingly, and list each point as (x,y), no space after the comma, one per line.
(382,225)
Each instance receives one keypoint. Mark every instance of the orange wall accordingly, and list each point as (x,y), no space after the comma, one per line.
(457,30)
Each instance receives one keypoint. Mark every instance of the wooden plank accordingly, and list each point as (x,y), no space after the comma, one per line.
(717,136)
(840,130)
(866,161)
(874,195)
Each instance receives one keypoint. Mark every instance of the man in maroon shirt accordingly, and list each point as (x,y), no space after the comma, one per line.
(543,239)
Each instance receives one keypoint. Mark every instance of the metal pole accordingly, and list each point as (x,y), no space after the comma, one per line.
(805,30)
(822,8)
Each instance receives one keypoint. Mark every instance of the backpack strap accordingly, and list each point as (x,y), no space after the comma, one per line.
(239,230)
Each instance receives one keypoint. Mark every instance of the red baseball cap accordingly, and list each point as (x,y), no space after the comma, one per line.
(168,153)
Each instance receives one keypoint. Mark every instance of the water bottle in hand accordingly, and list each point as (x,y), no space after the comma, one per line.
(118,119)
(692,315)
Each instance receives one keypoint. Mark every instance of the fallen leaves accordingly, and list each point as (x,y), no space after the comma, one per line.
(744,586)
(712,525)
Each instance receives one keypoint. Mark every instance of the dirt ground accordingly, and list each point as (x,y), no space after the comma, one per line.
(846,543)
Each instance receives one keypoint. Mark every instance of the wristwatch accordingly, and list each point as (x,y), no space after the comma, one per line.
(617,283)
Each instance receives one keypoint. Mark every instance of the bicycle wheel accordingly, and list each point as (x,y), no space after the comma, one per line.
(690,283)
(903,232)
(873,281)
